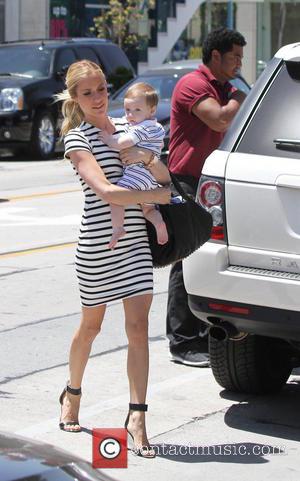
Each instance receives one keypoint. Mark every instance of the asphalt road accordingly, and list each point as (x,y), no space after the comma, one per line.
(200,431)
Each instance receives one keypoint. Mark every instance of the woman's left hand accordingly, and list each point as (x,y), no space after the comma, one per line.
(134,155)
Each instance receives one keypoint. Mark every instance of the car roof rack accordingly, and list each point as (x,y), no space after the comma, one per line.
(58,40)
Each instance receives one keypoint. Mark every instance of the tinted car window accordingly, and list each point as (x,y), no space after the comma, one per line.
(240,85)
(33,60)
(87,53)
(277,117)
(111,56)
(164,85)
(65,57)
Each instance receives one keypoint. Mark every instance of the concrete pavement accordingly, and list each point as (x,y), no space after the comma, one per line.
(200,430)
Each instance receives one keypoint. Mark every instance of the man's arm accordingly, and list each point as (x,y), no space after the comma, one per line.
(215,116)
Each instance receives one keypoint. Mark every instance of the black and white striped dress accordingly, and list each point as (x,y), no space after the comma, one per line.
(106,275)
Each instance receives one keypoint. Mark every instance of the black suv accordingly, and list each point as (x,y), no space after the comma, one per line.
(31,72)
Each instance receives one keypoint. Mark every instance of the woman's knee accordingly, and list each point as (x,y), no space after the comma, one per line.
(91,322)
(87,332)
(137,331)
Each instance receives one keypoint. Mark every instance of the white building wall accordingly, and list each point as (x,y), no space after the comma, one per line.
(12,20)
(264,50)
(246,24)
(34,15)
(26,19)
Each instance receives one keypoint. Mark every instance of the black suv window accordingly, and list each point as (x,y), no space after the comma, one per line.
(87,53)
(276,121)
(65,57)
(31,60)
(115,64)
(111,57)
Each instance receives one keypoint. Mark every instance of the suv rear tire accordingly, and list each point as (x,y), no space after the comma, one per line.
(255,364)
(43,136)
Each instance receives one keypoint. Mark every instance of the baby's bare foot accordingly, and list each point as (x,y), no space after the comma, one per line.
(118,232)
(162,233)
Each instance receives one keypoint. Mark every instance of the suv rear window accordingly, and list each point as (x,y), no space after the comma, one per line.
(64,58)
(112,57)
(87,53)
(277,117)
(33,61)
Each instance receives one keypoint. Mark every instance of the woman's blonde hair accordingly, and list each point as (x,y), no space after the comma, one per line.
(72,113)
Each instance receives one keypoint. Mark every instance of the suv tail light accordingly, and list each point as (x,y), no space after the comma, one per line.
(210,195)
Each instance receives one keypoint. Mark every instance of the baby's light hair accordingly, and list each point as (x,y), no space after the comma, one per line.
(142,89)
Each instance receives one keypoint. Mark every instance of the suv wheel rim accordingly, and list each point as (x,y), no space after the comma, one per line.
(46,135)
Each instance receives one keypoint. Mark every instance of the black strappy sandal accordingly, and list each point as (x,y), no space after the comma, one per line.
(62,425)
(144,451)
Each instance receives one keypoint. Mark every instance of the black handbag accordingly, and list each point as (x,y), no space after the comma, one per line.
(188,225)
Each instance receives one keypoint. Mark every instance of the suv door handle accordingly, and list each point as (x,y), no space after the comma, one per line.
(292,145)
(291,181)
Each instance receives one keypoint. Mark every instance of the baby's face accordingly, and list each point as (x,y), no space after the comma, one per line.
(137,110)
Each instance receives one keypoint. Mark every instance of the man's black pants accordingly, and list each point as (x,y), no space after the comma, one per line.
(183,327)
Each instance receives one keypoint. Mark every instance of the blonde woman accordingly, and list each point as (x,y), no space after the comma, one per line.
(105,275)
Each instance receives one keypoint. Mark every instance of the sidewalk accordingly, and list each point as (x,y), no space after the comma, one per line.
(195,429)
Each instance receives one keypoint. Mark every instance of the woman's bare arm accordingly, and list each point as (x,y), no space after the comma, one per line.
(90,171)
(159,171)
(123,141)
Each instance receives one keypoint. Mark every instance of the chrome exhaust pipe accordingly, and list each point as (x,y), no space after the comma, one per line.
(226,331)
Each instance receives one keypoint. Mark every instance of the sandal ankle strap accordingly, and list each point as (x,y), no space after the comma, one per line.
(73,391)
(138,407)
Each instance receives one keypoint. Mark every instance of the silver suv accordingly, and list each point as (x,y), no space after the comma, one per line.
(245,282)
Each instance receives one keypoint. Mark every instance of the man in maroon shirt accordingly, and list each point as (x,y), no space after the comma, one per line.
(203,106)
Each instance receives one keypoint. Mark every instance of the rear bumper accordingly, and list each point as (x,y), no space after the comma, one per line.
(273,301)
(263,321)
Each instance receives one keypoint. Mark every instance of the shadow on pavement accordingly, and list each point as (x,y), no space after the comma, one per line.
(273,414)
(240,453)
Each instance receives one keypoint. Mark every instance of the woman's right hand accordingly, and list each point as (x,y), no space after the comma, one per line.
(135,155)
(162,195)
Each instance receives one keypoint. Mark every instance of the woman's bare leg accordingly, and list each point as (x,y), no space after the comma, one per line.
(90,326)
(136,319)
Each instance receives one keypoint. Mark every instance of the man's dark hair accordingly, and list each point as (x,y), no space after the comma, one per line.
(221,39)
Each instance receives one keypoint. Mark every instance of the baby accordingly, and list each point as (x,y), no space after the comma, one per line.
(143,130)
